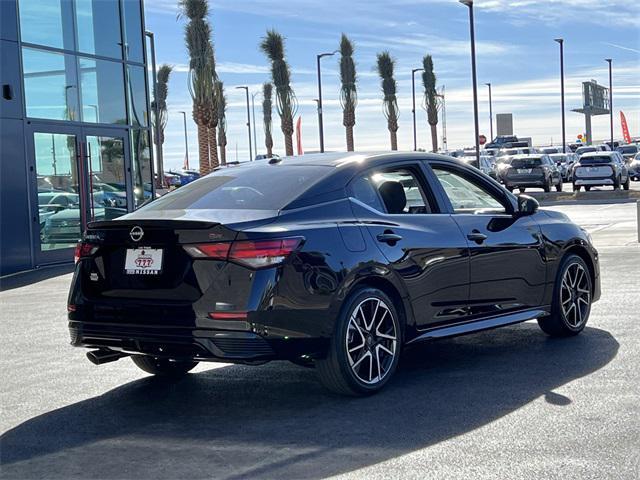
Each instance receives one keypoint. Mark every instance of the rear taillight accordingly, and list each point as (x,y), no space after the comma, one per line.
(252,253)
(84,249)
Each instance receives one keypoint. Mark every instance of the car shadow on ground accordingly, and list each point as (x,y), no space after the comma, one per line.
(276,421)
(31,277)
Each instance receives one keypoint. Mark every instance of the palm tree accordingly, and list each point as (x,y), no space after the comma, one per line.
(348,91)
(267,90)
(431,103)
(159,109)
(221,100)
(213,117)
(389,101)
(286,103)
(198,41)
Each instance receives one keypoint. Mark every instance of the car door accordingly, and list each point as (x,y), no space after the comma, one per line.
(423,247)
(507,263)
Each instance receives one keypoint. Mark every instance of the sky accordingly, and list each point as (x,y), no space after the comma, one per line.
(515,52)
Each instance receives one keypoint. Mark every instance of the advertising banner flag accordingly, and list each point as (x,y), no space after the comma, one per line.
(625,128)
(299,135)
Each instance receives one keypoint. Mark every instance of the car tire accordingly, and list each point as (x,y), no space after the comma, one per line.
(522,189)
(626,184)
(616,183)
(576,188)
(571,303)
(162,367)
(547,185)
(510,189)
(587,188)
(559,186)
(354,352)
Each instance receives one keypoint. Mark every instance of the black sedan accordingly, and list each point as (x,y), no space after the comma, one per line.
(532,171)
(335,261)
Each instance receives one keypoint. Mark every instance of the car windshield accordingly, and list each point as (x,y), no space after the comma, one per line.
(526,162)
(265,187)
(581,150)
(627,149)
(595,160)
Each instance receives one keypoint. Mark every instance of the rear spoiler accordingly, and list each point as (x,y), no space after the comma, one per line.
(156,223)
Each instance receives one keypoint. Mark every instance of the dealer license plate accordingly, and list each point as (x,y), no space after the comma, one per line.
(143,261)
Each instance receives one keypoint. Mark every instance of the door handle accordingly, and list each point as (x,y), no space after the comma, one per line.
(477,237)
(389,237)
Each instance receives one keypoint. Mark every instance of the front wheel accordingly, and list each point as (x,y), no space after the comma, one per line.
(559,186)
(576,188)
(627,184)
(162,366)
(571,299)
(616,183)
(365,348)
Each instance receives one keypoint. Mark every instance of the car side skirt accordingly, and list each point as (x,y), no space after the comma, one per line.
(482,324)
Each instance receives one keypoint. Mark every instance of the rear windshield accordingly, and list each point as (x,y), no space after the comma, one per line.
(269,187)
(595,160)
(526,162)
(627,149)
(585,150)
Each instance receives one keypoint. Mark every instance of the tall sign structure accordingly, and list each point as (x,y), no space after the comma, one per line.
(595,101)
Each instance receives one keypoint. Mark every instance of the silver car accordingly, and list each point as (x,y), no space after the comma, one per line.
(600,168)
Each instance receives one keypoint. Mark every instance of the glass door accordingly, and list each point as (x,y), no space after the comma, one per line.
(107,165)
(79,175)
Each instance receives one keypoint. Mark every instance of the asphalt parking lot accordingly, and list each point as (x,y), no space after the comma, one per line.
(508,403)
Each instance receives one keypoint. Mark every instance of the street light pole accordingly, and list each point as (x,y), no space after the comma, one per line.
(469,3)
(490,111)
(246,91)
(608,60)
(320,126)
(253,115)
(186,142)
(564,140)
(413,111)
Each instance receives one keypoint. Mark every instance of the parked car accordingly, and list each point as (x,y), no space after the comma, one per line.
(550,150)
(502,141)
(628,151)
(172,180)
(564,162)
(600,168)
(487,164)
(358,257)
(634,168)
(592,148)
(502,164)
(532,171)
(508,152)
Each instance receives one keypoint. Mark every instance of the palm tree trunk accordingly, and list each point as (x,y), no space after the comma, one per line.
(434,138)
(213,148)
(203,148)
(222,143)
(269,152)
(288,144)
(349,138)
(394,140)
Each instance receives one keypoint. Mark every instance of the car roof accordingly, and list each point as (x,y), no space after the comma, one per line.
(528,155)
(339,159)
(600,153)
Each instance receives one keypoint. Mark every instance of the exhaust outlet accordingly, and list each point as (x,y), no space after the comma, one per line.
(98,357)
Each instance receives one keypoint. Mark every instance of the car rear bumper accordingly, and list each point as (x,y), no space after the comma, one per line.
(524,182)
(593,181)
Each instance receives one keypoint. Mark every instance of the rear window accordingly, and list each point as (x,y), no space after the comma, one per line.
(582,150)
(627,149)
(526,162)
(595,160)
(246,188)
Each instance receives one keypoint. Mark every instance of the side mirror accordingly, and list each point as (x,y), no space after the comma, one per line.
(527,205)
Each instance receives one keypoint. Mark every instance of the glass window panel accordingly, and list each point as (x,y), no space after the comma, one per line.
(465,195)
(98,24)
(58,190)
(102,85)
(107,172)
(50,90)
(141,163)
(138,113)
(133,30)
(47,22)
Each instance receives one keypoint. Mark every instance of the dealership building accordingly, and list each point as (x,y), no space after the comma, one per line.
(74,123)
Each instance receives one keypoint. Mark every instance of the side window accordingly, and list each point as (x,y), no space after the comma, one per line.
(394,191)
(465,195)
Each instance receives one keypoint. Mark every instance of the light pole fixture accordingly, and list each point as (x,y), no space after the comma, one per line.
(320,126)
(246,91)
(609,60)
(413,110)
(186,142)
(469,3)
(490,112)
(564,140)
